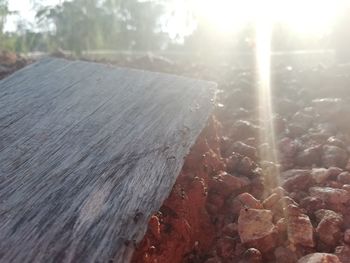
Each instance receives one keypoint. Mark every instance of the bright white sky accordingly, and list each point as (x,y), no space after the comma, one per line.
(305,16)
(24,7)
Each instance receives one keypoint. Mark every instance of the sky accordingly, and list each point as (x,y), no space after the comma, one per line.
(25,11)
(305,16)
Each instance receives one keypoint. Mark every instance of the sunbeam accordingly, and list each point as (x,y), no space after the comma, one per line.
(263,62)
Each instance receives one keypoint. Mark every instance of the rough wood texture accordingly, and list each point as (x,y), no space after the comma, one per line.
(87,153)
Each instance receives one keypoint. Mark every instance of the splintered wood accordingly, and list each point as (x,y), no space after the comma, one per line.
(87,153)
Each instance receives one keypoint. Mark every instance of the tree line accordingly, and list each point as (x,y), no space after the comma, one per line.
(79,25)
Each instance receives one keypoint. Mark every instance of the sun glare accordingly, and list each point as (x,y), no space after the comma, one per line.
(303,16)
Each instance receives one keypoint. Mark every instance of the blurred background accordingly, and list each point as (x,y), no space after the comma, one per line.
(221,30)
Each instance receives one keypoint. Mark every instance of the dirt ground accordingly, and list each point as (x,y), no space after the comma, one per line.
(231,201)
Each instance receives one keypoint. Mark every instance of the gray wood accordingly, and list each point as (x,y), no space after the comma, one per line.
(87,153)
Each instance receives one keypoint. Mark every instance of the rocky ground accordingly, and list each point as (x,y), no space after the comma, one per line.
(230,204)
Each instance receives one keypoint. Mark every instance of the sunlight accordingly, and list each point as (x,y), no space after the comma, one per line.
(305,17)
(263,61)
(224,15)
(310,16)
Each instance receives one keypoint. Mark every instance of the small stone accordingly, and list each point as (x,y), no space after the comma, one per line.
(312,204)
(252,255)
(326,129)
(256,229)
(333,197)
(344,177)
(334,172)
(335,142)
(244,200)
(232,162)
(249,201)
(346,187)
(225,146)
(347,236)
(295,179)
(257,187)
(329,228)
(286,162)
(334,156)
(271,200)
(298,195)
(343,253)
(286,201)
(320,175)
(251,141)
(152,250)
(244,150)
(300,231)
(324,213)
(288,147)
(293,210)
(271,173)
(282,203)
(319,258)
(226,184)
(309,156)
(246,166)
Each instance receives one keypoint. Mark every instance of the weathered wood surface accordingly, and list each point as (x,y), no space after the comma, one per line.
(87,153)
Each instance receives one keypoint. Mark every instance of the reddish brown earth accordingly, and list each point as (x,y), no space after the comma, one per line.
(230,204)
(10,62)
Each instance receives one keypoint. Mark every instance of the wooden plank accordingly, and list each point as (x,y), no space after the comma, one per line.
(87,153)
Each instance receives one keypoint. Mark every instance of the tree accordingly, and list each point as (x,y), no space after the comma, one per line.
(88,24)
(6,42)
(76,24)
(4,12)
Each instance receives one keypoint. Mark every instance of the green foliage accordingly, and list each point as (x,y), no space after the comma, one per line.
(81,25)
(3,14)
(88,24)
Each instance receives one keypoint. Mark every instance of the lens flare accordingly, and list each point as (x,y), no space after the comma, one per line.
(263,62)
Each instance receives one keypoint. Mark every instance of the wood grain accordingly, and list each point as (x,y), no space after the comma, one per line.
(84,148)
